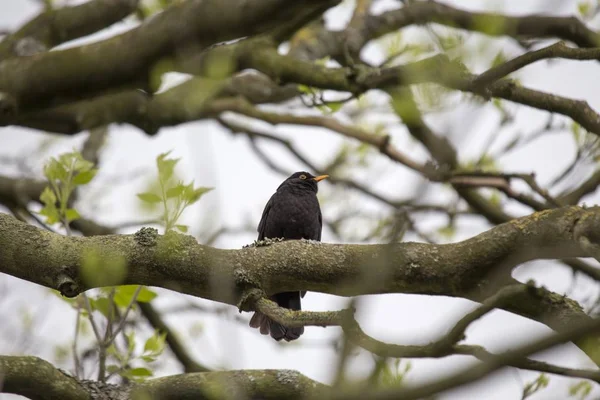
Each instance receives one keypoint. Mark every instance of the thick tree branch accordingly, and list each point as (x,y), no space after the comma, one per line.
(179,263)
(251,384)
(170,109)
(37,379)
(56,26)
(36,80)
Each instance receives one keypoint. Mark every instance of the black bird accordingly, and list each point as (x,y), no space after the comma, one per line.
(293,212)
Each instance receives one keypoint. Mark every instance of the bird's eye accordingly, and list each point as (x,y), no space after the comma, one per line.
(302,176)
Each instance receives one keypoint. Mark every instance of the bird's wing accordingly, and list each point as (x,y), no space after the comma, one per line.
(320,225)
(263,220)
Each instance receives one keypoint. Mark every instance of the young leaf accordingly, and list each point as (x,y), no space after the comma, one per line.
(101,304)
(84,177)
(146,295)
(149,197)
(131,341)
(136,374)
(81,164)
(155,343)
(165,166)
(71,214)
(175,191)
(51,214)
(48,197)
(124,295)
(334,105)
(111,369)
(197,193)
(54,170)
(182,228)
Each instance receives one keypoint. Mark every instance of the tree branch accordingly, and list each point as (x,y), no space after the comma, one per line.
(251,384)
(37,379)
(37,80)
(56,26)
(489,365)
(179,263)
(493,24)
(556,50)
(444,346)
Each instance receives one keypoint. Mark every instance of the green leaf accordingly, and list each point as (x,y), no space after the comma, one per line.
(323,61)
(130,341)
(182,228)
(500,58)
(149,197)
(447,231)
(146,295)
(124,295)
(334,105)
(584,8)
(111,369)
(85,177)
(175,191)
(51,214)
(197,193)
(136,373)
(71,214)
(165,166)
(48,197)
(581,389)
(101,304)
(55,171)
(161,67)
(155,343)
(304,89)
(83,165)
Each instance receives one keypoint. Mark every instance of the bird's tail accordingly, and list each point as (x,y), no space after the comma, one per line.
(289,300)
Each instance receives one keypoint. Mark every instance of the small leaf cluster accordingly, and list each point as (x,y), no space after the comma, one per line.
(64,174)
(125,359)
(540,383)
(580,390)
(174,196)
(393,375)
(153,348)
(121,297)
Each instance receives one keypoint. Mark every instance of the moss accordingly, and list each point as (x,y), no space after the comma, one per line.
(264,242)
(146,237)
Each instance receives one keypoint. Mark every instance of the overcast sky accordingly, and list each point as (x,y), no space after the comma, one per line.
(214,157)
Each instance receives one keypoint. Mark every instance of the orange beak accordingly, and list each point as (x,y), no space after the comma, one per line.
(320,177)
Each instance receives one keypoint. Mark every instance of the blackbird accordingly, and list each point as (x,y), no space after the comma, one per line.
(293,212)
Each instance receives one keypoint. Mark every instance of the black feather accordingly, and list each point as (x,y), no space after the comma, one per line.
(293,212)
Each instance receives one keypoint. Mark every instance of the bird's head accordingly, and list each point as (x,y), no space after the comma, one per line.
(304,180)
